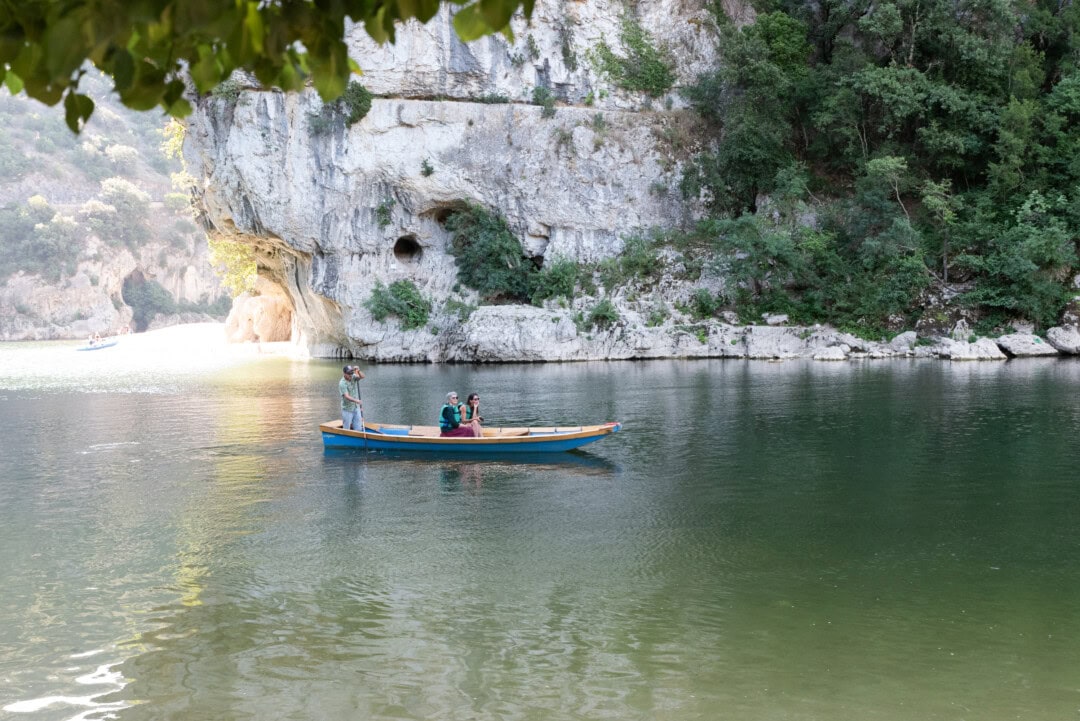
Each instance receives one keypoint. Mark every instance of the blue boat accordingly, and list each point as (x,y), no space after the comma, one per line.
(103,343)
(389,437)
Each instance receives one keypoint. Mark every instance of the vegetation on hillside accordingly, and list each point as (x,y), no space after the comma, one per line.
(901,146)
(113,183)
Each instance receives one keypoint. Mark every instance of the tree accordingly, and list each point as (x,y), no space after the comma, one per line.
(148,47)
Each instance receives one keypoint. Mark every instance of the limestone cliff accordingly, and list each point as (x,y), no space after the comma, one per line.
(92,299)
(334,210)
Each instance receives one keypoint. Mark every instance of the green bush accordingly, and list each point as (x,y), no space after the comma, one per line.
(637,262)
(556,280)
(384,212)
(402,300)
(351,107)
(542,96)
(488,255)
(460,309)
(703,304)
(658,315)
(228,90)
(37,240)
(356,102)
(13,162)
(603,315)
(132,211)
(643,68)
(177,201)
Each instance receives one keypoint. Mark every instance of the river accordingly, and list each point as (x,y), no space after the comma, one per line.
(870,540)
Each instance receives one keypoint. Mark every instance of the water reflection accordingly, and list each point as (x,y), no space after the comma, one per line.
(795,540)
(418,460)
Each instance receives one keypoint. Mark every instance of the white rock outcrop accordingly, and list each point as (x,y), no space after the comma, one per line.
(981,349)
(1025,345)
(91,301)
(1065,339)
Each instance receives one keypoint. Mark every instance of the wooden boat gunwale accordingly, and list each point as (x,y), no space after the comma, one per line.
(404,437)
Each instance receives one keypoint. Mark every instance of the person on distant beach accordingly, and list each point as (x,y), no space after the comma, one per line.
(352,408)
(450,418)
(90,340)
(472,417)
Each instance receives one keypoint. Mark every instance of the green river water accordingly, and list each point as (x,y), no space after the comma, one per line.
(879,540)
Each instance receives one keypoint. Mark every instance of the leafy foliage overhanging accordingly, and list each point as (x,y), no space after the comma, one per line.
(902,146)
(145,46)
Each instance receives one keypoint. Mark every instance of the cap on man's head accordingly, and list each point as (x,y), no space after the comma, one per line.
(347,369)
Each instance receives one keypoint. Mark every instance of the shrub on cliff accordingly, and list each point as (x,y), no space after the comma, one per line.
(489,256)
(643,67)
(402,300)
(356,102)
(557,280)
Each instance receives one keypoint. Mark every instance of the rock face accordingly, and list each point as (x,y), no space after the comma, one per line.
(981,349)
(334,210)
(1023,345)
(1066,339)
(552,51)
(91,301)
(266,316)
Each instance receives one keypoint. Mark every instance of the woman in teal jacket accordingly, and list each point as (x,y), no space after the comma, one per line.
(450,418)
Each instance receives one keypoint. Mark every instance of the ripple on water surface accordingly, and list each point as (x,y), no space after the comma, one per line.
(762,541)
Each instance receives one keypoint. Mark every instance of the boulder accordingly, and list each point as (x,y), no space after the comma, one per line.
(1023,345)
(775,342)
(1065,338)
(832,353)
(982,349)
(961,331)
(903,342)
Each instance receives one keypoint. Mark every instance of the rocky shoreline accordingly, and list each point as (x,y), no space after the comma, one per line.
(518,333)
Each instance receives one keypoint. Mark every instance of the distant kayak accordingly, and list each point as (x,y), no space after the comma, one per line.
(387,437)
(103,343)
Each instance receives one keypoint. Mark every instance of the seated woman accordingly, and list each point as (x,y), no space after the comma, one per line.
(472,417)
(450,418)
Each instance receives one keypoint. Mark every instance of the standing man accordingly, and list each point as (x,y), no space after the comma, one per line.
(352,408)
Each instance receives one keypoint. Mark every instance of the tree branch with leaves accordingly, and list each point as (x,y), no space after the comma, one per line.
(149,46)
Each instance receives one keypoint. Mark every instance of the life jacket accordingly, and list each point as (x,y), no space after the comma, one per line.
(445,425)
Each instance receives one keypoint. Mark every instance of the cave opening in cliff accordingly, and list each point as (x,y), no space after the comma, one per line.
(407,250)
(443,211)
